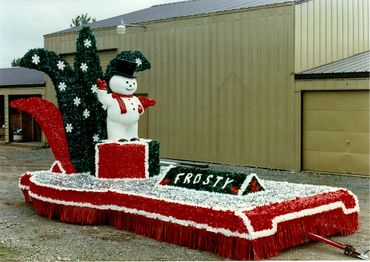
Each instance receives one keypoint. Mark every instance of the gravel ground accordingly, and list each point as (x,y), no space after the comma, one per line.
(26,236)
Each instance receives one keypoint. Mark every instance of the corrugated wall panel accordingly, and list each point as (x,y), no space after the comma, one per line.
(224,87)
(104,56)
(327,31)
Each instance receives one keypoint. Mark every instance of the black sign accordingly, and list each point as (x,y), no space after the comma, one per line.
(209,180)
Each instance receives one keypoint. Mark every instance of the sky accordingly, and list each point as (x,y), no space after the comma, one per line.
(23,23)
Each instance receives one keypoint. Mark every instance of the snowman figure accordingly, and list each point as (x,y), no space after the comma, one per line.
(123,108)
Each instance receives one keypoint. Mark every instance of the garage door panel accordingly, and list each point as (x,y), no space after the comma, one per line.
(359,142)
(360,164)
(345,100)
(329,141)
(337,120)
(336,131)
(318,120)
(358,121)
(337,162)
(332,141)
(324,161)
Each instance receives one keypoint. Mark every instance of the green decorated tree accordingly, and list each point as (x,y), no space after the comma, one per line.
(76,90)
(83,116)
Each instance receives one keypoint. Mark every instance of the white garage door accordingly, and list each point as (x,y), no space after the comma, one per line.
(336,131)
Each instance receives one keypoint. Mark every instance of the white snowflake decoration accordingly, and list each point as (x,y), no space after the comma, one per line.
(69,128)
(94,88)
(138,61)
(35,59)
(104,107)
(61,65)
(87,43)
(96,138)
(77,101)
(86,113)
(84,67)
(62,86)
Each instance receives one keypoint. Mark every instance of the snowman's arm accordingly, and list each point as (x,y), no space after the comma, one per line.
(146,101)
(103,96)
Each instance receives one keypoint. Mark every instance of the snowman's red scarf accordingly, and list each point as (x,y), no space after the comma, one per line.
(120,101)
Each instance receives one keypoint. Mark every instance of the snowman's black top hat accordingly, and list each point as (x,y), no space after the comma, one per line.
(124,68)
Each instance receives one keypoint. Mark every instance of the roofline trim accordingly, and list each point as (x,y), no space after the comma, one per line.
(286,3)
(298,2)
(332,75)
(24,85)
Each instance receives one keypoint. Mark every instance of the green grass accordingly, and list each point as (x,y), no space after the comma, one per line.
(6,254)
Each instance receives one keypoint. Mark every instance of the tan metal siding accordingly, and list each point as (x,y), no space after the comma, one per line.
(224,87)
(336,131)
(50,93)
(31,90)
(328,30)
(105,57)
(332,84)
(66,43)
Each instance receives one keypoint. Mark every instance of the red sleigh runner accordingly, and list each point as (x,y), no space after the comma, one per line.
(237,228)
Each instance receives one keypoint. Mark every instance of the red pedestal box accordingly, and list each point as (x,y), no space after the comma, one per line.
(115,160)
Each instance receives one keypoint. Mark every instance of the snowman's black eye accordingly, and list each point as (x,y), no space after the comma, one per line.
(126,82)
(133,83)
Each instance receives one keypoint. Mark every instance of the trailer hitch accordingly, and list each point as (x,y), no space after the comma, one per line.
(348,249)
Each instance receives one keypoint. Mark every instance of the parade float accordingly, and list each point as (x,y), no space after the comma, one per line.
(104,174)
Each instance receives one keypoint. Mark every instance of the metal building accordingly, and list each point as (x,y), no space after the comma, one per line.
(335,112)
(15,83)
(223,73)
